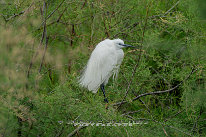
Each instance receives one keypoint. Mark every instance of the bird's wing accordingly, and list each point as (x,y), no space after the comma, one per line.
(107,62)
(120,56)
(99,68)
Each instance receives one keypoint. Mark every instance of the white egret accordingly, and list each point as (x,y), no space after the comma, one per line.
(104,62)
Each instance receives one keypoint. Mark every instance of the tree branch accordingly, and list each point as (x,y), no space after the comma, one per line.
(52,13)
(15,15)
(41,41)
(157,92)
(76,130)
(44,35)
(139,58)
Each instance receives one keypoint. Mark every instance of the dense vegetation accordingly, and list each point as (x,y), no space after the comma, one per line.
(44,45)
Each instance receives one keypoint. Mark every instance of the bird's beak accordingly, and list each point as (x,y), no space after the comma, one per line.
(126,45)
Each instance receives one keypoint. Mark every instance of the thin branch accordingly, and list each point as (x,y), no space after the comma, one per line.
(129,116)
(58,134)
(175,128)
(196,121)
(151,17)
(173,115)
(168,11)
(131,112)
(44,35)
(61,15)
(45,48)
(171,8)
(76,130)
(118,103)
(165,131)
(138,61)
(157,92)
(41,41)
(52,13)
(84,4)
(15,15)
(162,77)
(148,110)
(126,132)
(172,127)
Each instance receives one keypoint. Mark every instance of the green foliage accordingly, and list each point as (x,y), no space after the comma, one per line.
(40,94)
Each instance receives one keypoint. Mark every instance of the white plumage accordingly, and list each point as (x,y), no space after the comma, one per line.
(104,62)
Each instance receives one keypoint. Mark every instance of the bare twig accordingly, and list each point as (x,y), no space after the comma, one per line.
(171,8)
(158,92)
(16,14)
(131,112)
(61,15)
(129,116)
(168,11)
(118,103)
(75,131)
(45,48)
(105,27)
(172,127)
(44,35)
(148,110)
(195,123)
(138,61)
(151,17)
(174,115)
(58,134)
(85,2)
(41,41)
(162,77)
(175,128)
(52,13)
(164,131)
(126,132)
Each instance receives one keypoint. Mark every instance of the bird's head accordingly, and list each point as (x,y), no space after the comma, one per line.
(120,44)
